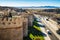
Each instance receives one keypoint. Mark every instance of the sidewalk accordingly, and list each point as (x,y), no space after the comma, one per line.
(43,30)
(50,28)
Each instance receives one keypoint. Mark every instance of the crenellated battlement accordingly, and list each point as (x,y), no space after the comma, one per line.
(10,22)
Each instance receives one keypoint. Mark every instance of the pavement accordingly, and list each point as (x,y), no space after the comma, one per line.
(51,25)
(52,21)
(52,36)
(43,30)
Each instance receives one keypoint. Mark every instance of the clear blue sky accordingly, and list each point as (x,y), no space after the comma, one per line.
(18,3)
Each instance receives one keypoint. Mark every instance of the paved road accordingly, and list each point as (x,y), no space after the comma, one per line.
(51,26)
(51,23)
(52,36)
(44,31)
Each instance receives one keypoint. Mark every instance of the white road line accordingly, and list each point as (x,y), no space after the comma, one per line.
(51,29)
(46,37)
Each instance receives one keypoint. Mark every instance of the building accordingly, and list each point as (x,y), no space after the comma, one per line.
(30,20)
(1,13)
(14,25)
(11,29)
(25,27)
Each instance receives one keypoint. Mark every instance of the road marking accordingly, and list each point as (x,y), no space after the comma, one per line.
(51,29)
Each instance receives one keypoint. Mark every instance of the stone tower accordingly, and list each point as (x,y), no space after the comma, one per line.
(11,28)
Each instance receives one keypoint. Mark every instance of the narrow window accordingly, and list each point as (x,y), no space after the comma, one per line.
(3,23)
(9,23)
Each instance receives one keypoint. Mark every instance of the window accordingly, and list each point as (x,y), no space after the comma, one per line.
(10,19)
(3,23)
(9,23)
(14,22)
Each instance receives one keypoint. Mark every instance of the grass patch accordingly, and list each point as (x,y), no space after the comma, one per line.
(36,27)
(35,32)
(36,37)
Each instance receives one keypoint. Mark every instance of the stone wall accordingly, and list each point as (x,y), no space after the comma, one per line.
(25,27)
(11,29)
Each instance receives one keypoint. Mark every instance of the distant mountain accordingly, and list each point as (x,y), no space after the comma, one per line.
(41,7)
(31,7)
(49,7)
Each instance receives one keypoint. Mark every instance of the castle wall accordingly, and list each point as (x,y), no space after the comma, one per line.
(30,20)
(11,29)
(25,27)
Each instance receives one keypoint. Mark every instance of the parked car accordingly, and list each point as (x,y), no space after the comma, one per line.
(47,19)
(49,32)
(58,22)
(58,31)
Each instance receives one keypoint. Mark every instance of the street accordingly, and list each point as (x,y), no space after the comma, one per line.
(51,25)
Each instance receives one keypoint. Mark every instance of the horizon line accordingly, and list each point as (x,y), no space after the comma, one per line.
(27,6)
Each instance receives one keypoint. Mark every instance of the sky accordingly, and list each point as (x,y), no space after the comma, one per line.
(20,3)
